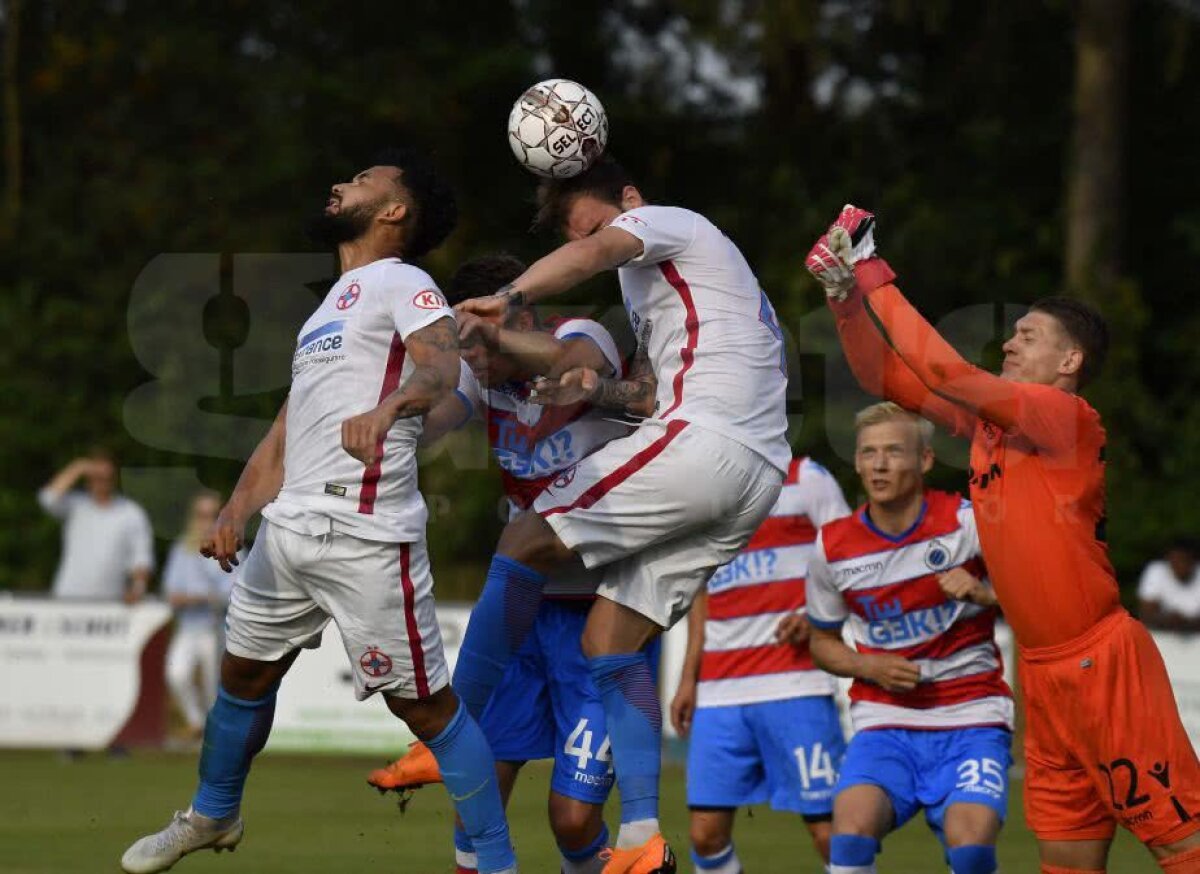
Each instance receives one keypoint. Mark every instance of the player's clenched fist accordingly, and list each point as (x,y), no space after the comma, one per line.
(577,384)
(683,706)
(890,672)
(225,539)
(794,629)
(962,585)
(362,436)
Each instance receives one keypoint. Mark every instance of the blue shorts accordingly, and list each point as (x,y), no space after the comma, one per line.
(931,769)
(783,752)
(547,706)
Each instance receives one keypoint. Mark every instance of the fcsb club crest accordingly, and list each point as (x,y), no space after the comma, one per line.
(565,478)
(349,297)
(375,663)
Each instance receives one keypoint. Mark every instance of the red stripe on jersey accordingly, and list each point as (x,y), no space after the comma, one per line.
(916,593)
(415,649)
(691,324)
(961,635)
(552,419)
(929,695)
(793,474)
(391,381)
(783,596)
(605,485)
(523,492)
(850,537)
(753,661)
(777,531)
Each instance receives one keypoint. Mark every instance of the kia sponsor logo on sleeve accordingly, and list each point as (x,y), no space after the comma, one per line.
(429,299)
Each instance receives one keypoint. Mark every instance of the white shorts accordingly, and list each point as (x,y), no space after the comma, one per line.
(379,594)
(661,510)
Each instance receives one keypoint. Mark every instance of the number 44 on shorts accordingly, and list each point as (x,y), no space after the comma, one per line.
(579,745)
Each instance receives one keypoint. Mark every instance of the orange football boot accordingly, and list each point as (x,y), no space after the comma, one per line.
(652,857)
(414,769)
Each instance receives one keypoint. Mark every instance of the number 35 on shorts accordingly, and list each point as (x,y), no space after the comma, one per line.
(579,746)
(986,776)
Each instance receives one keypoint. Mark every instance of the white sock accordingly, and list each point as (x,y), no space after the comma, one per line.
(594,865)
(634,834)
(469,861)
(853,869)
(723,862)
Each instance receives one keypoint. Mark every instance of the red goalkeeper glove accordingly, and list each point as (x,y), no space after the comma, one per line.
(845,256)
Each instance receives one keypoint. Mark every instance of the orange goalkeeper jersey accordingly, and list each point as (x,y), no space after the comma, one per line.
(1037,465)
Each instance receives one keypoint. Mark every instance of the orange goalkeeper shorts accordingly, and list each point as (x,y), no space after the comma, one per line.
(1104,743)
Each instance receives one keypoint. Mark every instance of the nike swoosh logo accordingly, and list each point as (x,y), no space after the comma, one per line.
(368,687)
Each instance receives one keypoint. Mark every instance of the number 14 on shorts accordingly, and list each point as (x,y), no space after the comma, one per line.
(814,764)
(579,745)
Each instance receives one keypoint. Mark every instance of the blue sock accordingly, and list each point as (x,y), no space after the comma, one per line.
(852,850)
(588,852)
(634,728)
(469,772)
(233,735)
(499,624)
(974,859)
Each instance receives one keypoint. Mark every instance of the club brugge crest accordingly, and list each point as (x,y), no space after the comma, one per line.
(375,663)
(937,556)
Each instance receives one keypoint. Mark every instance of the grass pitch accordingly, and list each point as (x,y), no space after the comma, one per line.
(317,815)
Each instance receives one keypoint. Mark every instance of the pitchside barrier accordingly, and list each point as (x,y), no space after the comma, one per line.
(87,676)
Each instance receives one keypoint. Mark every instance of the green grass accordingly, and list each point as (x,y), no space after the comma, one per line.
(316,815)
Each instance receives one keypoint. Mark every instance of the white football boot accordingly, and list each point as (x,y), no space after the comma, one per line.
(187,832)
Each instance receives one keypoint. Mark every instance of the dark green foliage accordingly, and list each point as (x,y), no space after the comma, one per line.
(153,128)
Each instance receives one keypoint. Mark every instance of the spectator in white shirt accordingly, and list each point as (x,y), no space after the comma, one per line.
(197,590)
(1169,591)
(108,545)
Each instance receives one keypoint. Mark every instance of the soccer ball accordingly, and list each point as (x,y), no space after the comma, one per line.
(557,128)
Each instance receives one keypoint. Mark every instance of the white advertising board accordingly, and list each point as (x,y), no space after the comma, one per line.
(70,672)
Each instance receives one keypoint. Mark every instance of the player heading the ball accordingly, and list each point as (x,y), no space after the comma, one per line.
(661,509)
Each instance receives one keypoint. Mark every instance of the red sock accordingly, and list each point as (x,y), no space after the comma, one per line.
(1187,862)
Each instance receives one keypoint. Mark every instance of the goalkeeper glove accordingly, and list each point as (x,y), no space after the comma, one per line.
(845,255)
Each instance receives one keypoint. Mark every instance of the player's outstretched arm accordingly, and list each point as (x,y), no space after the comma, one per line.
(562,269)
(1047,416)
(433,351)
(260,482)
(537,352)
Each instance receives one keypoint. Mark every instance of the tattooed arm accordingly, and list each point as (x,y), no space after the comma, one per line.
(633,395)
(433,351)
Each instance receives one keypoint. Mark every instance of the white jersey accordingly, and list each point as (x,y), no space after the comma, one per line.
(349,356)
(887,587)
(709,330)
(743,663)
(535,445)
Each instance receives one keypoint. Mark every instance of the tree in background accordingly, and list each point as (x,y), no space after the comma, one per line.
(148,128)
